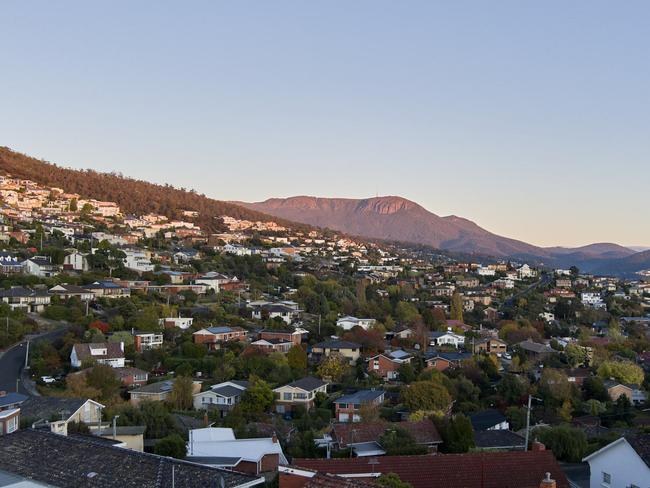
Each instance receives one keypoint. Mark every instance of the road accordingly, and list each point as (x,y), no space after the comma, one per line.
(544,280)
(12,362)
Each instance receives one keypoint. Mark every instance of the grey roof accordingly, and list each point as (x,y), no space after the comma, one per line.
(308,383)
(215,460)
(641,444)
(46,408)
(498,439)
(337,344)
(362,396)
(535,347)
(12,398)
(74,462)
(107,430)
(158,387)
(221,330)
(19,291)
(486,419)
(228,391)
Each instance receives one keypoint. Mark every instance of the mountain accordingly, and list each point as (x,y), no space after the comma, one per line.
(399,219)
(133,196)
(627,266)
(393,218)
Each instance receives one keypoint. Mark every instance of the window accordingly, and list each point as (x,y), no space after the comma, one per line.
(286,396)
(607,478)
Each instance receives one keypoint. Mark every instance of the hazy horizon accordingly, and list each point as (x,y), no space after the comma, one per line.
(529,119)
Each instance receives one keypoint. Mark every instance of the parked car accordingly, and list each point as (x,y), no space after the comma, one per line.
(47,380)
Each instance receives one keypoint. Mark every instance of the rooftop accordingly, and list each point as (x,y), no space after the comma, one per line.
(81,463)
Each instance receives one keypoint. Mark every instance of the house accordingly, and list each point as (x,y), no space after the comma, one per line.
(490,345)
(213,336)
(40,266)
(76,261)
(387,365)
(222,397)
(275,310)
(39,458)
(448,338)
(348,407)
(108,289)
(56,413)
(272,345)
(578,375)
(109,353)
(593,300)
(218,447)
(182,323)
(10,263)
(501,440)
(66,291)
(445,360)
(9,421)
(146,341)
(490,419)
(127,436)
(157,392)
(535,350)
(138,260)
(523,469)
(11,400)
(624,463)
(365,437)
(131,377)
(293,336)
(525,272)
(300,392)
(335,347)
(347,323)
(403,332)
(27,299)
(616,389)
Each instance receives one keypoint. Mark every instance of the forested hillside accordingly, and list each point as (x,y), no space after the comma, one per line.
(133,196)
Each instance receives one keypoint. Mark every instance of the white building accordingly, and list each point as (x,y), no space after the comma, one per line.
(448,338)
(484,271)
(180,322)
(76,262)
(625,463)
(525,272)
(348,322)
(138,260)
(109,353)
(592,299)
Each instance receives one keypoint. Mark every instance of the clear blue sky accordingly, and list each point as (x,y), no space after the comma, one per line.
(530,118)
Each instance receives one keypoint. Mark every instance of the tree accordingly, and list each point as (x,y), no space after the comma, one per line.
(512,388)
(406,373)
(297,359)
(333,368)
(172,446)
(456,312)
(457,434)
(258,398)
(102,377)
(391,480)
(73,205)
(623,371)
(567,443)
(426,395)
(180,398)
(576,355)
(555,385)
(157,419)
(399,442)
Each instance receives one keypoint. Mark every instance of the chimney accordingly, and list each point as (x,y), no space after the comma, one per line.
(122,346)
(3,393)
(537,446)
(274,438)
(548,482)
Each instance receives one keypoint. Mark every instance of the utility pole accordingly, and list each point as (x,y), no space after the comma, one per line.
(530,400)
(319,315)
(115,426)
(27,356)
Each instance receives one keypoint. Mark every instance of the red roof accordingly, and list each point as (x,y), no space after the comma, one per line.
(472,470)
(423,432)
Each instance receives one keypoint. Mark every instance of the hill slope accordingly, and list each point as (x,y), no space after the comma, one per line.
(133,196)
(395,218)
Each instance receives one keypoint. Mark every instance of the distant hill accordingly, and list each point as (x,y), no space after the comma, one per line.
(133,196)
(396,218)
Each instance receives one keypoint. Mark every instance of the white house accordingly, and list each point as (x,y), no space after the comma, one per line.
(625,463)
(138,260)
(592,299)
(109,353)
(40,266)
(236,250)
(76,262)
(348,322)
(180,322)
(484,271)
(525,272)
(222,397)
(448,338)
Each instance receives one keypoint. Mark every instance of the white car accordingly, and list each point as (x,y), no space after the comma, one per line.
(507,356)
(47,379)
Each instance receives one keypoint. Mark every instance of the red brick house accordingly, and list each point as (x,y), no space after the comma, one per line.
(213,336)
(386,365)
